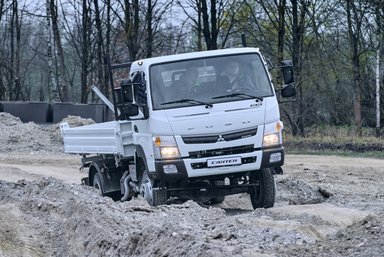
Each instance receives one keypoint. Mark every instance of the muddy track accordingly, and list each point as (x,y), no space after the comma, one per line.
(325,206)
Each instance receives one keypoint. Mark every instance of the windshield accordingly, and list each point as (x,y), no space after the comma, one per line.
(208,81)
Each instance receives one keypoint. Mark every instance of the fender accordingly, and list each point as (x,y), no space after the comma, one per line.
(108,172)
(139,154)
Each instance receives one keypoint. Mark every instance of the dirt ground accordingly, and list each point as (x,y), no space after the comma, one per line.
(325,206)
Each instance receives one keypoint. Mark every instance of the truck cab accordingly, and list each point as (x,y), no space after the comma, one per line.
(202,126)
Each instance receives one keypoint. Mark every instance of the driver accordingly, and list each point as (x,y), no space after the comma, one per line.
(237,80)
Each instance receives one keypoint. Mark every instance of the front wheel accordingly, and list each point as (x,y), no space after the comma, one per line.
(263,192)
(154,196)
(217,199)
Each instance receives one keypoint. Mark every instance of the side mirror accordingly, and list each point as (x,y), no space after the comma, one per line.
(287,70)
(126,92)
(133,98)
(129,110)
(288,90)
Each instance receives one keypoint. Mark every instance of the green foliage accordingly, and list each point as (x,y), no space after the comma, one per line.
(337,140)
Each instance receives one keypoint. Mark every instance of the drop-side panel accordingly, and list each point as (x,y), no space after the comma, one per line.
(114,137)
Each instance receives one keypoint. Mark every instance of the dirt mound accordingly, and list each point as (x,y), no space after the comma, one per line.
(24,137)
(76,121)
(296,191)
(363,238)
(72,220)
(17,136)
(73,121)
(50,218)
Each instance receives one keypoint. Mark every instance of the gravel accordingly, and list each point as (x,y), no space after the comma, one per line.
(20,137)
(73,220)
(320,210)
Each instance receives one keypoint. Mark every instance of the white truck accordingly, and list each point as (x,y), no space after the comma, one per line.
(185,129)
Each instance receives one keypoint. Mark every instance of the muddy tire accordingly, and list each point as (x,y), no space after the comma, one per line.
(116,196)
(263,194)
(160,196)
(97,184)
(217,200)
(154,196)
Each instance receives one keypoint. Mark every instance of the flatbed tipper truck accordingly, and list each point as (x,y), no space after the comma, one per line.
(197,126)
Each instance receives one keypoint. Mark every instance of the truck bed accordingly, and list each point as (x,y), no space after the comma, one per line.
(114,137)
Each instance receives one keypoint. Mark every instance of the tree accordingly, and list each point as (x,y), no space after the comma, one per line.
(154,15)
(85,47)
(130,23)
(210,19)
(298,29)
(281,32)
(55,87)
(1,8)
(63,80)
(354,19)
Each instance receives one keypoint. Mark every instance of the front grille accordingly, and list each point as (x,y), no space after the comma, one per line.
(209,139)
(203,165)
(222,151)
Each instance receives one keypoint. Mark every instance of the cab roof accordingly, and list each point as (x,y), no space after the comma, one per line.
(177,57)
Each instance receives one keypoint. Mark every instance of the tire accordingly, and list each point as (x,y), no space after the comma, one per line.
(160,196)
(217,200)
(154,196)
(116,196)
(263,194)
(97,184)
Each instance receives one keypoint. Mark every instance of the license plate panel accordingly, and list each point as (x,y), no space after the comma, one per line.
(229,161)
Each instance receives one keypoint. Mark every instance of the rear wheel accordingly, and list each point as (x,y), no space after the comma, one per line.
(263,193)
(116,195)
(217,200)
(97,184)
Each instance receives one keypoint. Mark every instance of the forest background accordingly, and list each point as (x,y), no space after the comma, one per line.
(54,50)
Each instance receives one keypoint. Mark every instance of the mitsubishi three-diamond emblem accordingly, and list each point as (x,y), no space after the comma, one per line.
(220,139)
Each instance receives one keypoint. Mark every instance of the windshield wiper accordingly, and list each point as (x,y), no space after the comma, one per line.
(187,101)
(238,94)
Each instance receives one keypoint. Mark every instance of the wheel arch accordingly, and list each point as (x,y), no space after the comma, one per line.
(92,170)
(140,155)
(109,177)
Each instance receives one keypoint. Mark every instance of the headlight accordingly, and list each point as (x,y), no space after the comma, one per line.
(271,139)
(273,134)
(165,147)
(169,152)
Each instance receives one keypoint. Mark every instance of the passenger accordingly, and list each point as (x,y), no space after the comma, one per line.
(187,85)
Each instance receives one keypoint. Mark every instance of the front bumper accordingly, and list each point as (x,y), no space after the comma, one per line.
(274,152)
(194,168)
(181,170)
